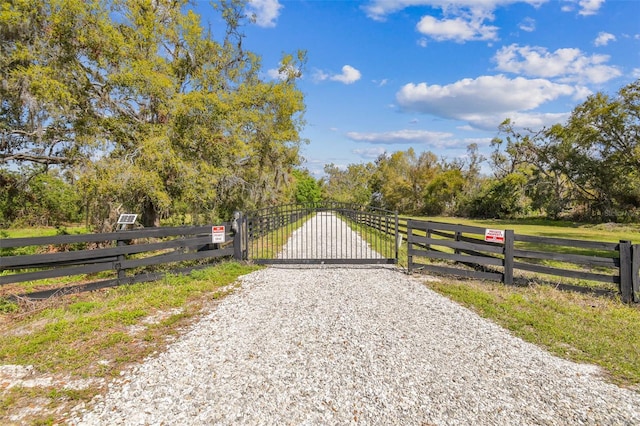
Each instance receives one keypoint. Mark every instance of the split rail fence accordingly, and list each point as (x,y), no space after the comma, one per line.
(462,250)
(115,258)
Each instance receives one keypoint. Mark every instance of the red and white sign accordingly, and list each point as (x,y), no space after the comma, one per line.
(217,234)
(494,235)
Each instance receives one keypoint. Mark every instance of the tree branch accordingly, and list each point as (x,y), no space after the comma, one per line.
(40,159)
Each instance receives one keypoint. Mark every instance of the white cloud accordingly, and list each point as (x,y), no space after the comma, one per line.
(485,94)
(276,74)
(264,12)
(635,73)
(486,101)
(319,75)
(349,75)
(566,65)
(528,25)
(590,7)
(587,7)
(456,29)
(604,38)
(407,136)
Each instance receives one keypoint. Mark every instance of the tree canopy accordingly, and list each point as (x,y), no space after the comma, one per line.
(151,111)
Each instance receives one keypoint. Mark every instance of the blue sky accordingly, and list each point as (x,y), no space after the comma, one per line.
(385,75)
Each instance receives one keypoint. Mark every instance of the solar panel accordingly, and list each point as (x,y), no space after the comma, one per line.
(127,219)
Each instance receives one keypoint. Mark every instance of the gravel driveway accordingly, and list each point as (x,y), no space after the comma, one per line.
(331,345)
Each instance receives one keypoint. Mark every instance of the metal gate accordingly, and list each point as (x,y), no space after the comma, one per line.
(322,233)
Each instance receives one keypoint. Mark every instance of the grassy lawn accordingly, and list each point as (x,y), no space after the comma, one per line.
(91,337)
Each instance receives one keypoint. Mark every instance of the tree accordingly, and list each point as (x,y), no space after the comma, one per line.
(535,156)
(307,189)
(599,152)
(50,52)
(500,198)
(442,192)
(402,179)
(150,109)
(588,167)
(353,185)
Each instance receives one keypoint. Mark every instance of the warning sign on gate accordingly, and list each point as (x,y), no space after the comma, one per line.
(494,235)
(217,234)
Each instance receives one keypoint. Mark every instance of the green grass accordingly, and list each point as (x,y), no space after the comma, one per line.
(70,335)
(42,231)
(269,245)
(606,232)
(581,327)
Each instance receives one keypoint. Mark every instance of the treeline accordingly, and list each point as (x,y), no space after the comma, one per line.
(587,170)
(139,106)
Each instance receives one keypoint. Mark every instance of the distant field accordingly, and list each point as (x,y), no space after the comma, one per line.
(41,231)
(606,232)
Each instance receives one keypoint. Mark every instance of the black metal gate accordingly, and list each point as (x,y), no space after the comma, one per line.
(322,233)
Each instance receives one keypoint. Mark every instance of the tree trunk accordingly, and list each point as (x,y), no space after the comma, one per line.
(150,216)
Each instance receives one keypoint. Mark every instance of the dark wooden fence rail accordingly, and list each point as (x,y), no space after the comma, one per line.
(615,263)
(112,252)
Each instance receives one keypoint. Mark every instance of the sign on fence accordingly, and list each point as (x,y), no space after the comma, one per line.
(217,234)
(494,236)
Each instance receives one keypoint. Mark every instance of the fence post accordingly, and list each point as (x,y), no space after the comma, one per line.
(237,236)
(458,235)
(122,273)
(509,238)
(626,275)
(635,272)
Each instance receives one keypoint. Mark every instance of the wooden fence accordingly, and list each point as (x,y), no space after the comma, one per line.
(130,256)
(446,249)
(124,257)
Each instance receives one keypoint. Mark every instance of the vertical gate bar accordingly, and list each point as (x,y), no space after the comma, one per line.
(370,224)
(290,229)
(409,245)
(377,233)
(338,235)
(374,243)
(311,224)
(395,239)
(356,223)
(282,225)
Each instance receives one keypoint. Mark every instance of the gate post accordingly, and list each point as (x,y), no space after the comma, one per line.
(635,272)
(237,225)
